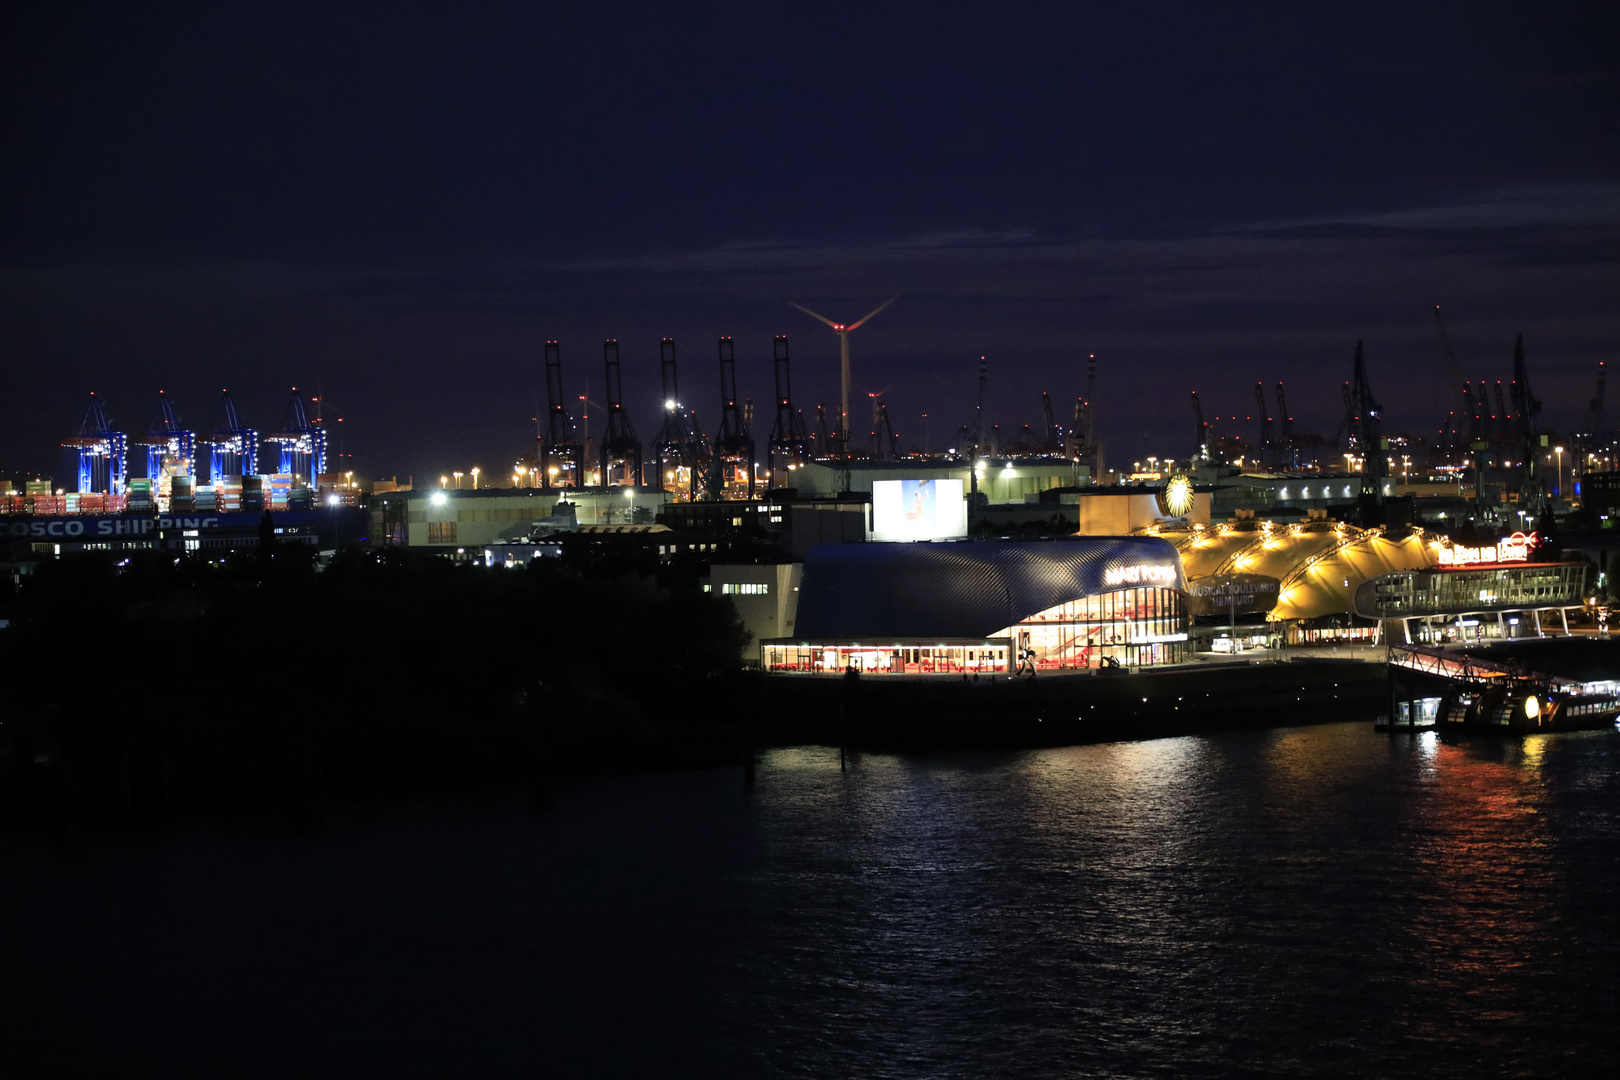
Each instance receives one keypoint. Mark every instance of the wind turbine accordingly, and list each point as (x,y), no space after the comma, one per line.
(843,333)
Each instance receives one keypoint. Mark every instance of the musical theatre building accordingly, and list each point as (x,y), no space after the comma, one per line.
(982,606)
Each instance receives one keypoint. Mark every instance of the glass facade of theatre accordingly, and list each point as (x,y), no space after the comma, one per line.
(1127,626)
(975,606)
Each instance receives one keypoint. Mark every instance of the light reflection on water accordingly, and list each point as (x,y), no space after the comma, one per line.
(1310,901)
(1316,901)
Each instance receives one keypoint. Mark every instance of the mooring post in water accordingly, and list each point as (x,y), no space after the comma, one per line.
(848,707)
(1389,670)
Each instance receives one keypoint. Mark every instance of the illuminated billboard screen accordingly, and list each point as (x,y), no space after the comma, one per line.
(918,510)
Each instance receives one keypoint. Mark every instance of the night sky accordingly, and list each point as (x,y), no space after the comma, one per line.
(400,205)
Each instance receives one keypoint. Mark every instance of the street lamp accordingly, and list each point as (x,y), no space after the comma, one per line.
(458,477)
(1559,450)
(475,477)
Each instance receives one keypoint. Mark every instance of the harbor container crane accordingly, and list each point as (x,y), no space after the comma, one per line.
(731,470)
(1374,467)
(1591,440)
(984,440)
(302,442)
(103,453)
(681,452)
(1592,422)
(1268,442)
(1082,446)
(888,439)
(1054,434)
(166,439)
(233,447)
(621,450)
(881,442)
(1289,444)
(562,455)
(1471,409)
(1526,407)
(789,444)
(1347,433)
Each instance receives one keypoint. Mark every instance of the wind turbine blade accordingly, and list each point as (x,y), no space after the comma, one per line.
(873,312)
(813,314)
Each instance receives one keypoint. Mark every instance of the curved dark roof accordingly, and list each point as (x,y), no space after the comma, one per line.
(962,589)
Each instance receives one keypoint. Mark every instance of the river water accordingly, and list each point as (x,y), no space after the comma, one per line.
(1314,901)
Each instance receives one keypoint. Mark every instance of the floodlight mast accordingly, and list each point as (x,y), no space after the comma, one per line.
(843,333)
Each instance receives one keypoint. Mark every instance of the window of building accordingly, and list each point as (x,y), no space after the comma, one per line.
(744,588)
(911,658)
(441,532)
(1130,626)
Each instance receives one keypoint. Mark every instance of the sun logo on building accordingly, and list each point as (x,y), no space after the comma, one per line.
(1177,497)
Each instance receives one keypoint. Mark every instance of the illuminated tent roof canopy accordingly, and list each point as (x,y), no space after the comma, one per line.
(967,589)
(1319,563)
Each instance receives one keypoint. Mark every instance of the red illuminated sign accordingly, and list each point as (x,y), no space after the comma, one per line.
(1121,575)
(1515,548)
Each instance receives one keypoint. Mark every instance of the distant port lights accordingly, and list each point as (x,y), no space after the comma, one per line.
(1515,548)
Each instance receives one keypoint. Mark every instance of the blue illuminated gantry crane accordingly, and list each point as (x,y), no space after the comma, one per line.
(165,438)
(103,452)
(302,443)
(233,446)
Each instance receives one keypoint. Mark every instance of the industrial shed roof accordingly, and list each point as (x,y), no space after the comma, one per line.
(965,589)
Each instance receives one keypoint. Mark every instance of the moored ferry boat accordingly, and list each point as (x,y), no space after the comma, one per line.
(1520,709)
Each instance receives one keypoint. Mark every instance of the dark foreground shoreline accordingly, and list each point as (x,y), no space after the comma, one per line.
(1057,710)
(70,778)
